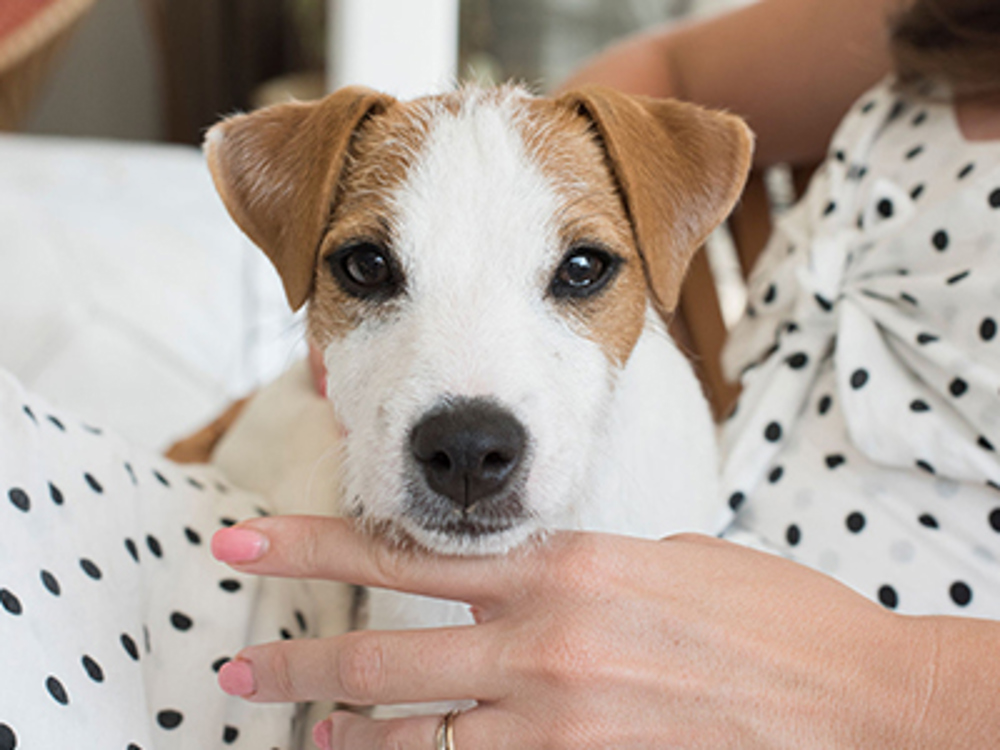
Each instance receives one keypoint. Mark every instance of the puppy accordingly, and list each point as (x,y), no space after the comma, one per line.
(488,275)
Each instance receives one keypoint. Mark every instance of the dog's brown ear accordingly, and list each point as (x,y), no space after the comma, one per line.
(680,169)
(277,171)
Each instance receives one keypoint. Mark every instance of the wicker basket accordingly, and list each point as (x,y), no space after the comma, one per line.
(32,32)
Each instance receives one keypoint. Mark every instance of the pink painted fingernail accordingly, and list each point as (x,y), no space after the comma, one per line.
(238,545)
(236,678)
(322,733)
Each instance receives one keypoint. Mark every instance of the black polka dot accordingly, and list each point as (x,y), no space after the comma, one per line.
(855,522)
(56,494)
(914,152)
(830,208)
(230,584)
(160,478)
(839,155)
(58,424)
(966,171)
(958,277)
(286,634)
(888,597)
(10,602)
(798,360)
(737,499)
(227,522)
(192,536)
(994,199)
(987,329)
(92,430)
(834,460)
(145,639)
(154,545)
(926,338)
(776,474)
(301,620)
(181,621)
(919,119)
(919,405)
(195,483)
(985,444)
(133,550)
(93,483)
(917,191)
(230,734)
(885,208)
(8,740)
(928,521)
(19,498)
(960,593)
(220,663)
(858,378)
(27,410)
(169,719)
(131,473)
(50,583)
(133,746)
(825,304)
(793,535)
(90,568)
(772,433)
(93,669)
(868,107)
(958,387)
(771,294)
(924,466)
(129,645)
(907,297)
(56,690)
(824,404)
(940,240)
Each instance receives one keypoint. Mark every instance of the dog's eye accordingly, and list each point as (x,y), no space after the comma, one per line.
(583,272)
(364,269)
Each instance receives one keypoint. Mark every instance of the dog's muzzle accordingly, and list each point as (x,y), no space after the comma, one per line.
(471,455)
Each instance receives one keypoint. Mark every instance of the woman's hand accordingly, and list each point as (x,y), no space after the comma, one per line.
(593,641)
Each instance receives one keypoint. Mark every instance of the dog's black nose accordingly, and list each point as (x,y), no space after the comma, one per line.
(469,450)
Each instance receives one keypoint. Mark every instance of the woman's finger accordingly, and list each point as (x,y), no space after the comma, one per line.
(367,668)
(480,728)
(331,548)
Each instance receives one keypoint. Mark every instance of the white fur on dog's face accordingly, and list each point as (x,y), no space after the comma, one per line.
(466,195)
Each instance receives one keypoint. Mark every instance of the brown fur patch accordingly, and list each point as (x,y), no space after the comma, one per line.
(380,158)
(569,155)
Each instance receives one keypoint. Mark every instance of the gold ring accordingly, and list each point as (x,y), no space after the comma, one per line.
(444,739)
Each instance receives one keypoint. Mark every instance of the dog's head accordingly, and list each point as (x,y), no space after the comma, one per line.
(478,268)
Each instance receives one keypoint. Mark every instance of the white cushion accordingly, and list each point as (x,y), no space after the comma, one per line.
(126,293)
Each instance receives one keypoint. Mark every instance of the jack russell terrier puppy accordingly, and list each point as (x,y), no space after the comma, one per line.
(488,276)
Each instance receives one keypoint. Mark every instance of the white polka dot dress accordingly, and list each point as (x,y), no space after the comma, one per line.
(114,617)
(865,442)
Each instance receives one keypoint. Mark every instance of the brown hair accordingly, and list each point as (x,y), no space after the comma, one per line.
(953,41)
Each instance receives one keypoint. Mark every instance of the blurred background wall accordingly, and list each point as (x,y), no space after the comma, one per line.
(165,69)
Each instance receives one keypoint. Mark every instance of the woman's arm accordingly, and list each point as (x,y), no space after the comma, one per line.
(790,67)
(597,641)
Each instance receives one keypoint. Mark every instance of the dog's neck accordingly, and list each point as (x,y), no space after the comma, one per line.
(658,449)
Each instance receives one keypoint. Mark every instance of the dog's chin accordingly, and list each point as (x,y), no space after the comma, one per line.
(446,532)
(468,538)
